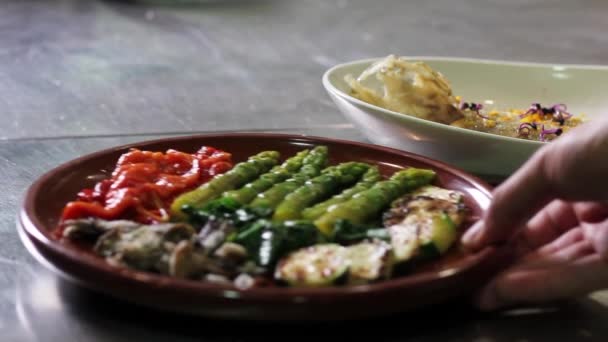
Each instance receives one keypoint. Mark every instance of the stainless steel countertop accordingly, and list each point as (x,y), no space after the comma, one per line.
(77,76)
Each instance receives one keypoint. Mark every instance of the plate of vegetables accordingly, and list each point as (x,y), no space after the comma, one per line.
(260,226)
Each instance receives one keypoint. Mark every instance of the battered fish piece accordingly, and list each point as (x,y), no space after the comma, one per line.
(411,88)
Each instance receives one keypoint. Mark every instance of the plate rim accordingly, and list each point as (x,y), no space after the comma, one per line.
(474,60)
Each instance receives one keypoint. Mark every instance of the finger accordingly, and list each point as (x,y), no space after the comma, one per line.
(510,207)
(560,169)
(568,247)
(537,285)
(549,224)
(564,242)
(554,220)
(597,233)
(591,211)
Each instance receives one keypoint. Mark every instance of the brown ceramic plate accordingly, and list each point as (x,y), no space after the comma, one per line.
(457,275)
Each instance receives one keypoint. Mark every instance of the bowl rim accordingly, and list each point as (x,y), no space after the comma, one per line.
(35,231)
(331,88)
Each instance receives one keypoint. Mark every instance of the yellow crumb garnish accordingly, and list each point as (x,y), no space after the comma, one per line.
(490,123)
(527,119)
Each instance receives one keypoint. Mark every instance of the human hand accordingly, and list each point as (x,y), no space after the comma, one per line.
(554,213)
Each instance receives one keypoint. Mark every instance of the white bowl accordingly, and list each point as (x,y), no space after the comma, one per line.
(499,84)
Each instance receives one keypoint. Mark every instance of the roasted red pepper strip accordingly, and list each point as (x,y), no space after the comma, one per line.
(144,183)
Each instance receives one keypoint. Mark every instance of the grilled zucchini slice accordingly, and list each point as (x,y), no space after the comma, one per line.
(314,266)
(369,261)
(437,237)
(404,239)
(424,223)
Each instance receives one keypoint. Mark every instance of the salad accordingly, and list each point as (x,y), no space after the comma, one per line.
(294,220)
(414,88)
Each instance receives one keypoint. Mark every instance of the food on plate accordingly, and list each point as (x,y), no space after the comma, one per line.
(424,222)
(318,189)
(371,177)
(407,87)
(318,265)
(535,123)
(314,163)
(278,174)
(369,203)
(144,183)
(295,220)
(369,262)
(414,88)
(241,174)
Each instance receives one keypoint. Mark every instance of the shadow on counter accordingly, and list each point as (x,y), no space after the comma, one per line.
(456,320)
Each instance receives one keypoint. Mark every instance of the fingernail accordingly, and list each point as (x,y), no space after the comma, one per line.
(472,235)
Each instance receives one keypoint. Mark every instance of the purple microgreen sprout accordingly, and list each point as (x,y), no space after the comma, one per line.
(560,113)
(526,127)
(534,108)
(476,107)
(544,132)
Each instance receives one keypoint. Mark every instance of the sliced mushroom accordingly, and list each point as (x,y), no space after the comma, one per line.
(231,252)
(148,247)
(214,233)
(180,260)
(92,228)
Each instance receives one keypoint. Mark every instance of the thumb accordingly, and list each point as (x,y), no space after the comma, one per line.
(545,283)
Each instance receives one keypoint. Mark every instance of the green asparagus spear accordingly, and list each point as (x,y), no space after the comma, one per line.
(369,203)
(371,177)
(314,162)
(278,174)
(318,189)
(240,174)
